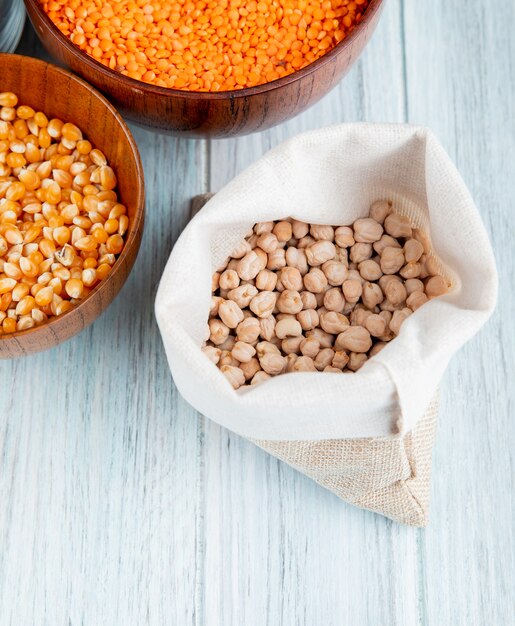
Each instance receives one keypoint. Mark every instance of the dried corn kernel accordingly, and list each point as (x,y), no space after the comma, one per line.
(57,193)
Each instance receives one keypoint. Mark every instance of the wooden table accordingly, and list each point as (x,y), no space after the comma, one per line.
(122,506)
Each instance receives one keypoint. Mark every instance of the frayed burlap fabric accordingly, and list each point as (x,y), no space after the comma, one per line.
(387,475)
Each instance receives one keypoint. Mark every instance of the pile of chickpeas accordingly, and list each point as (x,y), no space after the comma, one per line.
(61,225)
(298,297)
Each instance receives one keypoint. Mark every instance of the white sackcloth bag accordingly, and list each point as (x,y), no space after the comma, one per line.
(368,435)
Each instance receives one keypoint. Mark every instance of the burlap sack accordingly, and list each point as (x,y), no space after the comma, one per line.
(366,436)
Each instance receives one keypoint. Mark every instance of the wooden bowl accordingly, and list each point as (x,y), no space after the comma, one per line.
(60,94)
(201,114)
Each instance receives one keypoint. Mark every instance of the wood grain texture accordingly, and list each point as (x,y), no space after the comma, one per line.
(61,95)
(198,114)
(123,506)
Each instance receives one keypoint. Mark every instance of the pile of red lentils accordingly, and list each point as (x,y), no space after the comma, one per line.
(206,45)
(61,225)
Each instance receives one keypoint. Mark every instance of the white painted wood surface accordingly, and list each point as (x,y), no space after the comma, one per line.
(121,505)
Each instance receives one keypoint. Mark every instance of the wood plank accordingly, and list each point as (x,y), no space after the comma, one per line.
(466,94)
(100,459)
(279,549)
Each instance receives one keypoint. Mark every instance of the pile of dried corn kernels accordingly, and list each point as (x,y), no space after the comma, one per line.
(206,45)
(61,225)
(296,297)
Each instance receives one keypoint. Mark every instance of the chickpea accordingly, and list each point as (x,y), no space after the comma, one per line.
(320,252)
(309,300)
(288,328)
(356,361)
(266,280)
(291,345)
(263,258)
(299,229)
(375,325)
(309,347)
(291,279)
(289,301)
(413,250)
(242,295)
(248,330)
(212,353)
(215,303)
(305,242)
(315,280)
(276,259)
(249,266)
(241,250)
(355,339)
(291,359)
(234,375)
(267,242)
(359,316)
(319,232)
(263,227)
(324,358)
(416,300)
(411,270)
(333,322)
(297,258)
(372,295)
(325,340)
(340,359)
(331,369)
(263,304)
(342,256)
(376,348)
(392,259)
(367,230)
(360,252)
(230,313)
(344,236)
(398,318)
(304,364)
(250,368)
(308,319)
(413,284)
(226,358)
(334,300)
(267,325)
(394,290)
(243,352)
(385,242)
(352,290)
(435,286)
(283,231)
(335,272)
(218,331)
(370,270)
(215,281)
(228,344)
(229,279)
(380,210)
(259,377)
(397,225)
(272,363)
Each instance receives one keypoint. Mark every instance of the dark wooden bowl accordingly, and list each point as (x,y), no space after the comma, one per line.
(60,94)
(201,114)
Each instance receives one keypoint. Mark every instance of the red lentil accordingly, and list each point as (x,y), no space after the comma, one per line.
(213,45)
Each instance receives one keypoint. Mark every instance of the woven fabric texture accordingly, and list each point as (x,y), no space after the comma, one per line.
(387,475)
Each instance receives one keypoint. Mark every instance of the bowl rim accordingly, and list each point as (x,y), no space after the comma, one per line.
(373,7)
(134,235)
